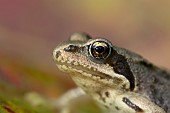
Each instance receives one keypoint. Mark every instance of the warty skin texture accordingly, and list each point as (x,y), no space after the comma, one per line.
(120,80)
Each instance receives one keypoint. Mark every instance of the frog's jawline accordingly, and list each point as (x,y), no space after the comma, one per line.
(93,75)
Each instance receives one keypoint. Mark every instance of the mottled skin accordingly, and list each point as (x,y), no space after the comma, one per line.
(152,81)
(120,80)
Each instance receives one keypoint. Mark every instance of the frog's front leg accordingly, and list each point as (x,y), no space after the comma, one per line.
(65,102)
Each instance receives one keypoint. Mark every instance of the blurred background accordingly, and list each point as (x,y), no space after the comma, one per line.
(31,29)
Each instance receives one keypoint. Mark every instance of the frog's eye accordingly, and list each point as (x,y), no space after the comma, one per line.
(100,50)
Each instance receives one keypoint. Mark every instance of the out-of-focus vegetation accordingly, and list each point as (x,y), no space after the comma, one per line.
(27,89)
(17,80)
(30,30)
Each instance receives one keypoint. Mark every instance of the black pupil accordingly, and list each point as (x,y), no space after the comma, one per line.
(99,49)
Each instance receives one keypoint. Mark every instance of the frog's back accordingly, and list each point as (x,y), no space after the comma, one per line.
(152,81)
(156,85)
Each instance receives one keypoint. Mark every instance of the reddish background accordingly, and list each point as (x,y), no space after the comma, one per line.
(30,29)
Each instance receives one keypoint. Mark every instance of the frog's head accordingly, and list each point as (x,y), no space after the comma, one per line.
(94,62)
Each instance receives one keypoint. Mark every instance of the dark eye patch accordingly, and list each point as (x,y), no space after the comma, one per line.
(120,66)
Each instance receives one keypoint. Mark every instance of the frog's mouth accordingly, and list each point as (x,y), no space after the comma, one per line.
(93,75)
(80,69)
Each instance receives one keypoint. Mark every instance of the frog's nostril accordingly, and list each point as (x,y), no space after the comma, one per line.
(71,48)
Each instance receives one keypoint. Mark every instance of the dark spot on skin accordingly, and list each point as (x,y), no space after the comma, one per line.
(154,79)
(101,97)
(131,105)
(107,94)
(104,100)
(147,64)
(99,93)
(117,108)
(84,86)
(106,107)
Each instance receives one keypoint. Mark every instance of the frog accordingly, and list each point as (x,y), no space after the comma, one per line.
(117,79)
